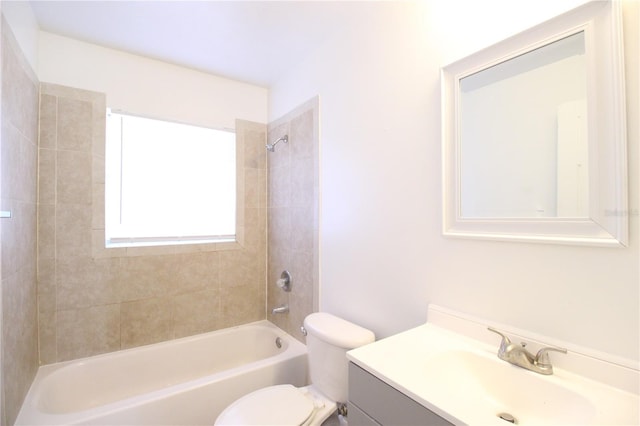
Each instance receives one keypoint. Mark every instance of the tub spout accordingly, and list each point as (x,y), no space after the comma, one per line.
(280,310)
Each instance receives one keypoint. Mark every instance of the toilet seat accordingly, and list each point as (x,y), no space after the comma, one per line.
(278,405)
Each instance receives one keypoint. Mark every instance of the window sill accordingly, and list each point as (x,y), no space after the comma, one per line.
(161,243)
(158,248)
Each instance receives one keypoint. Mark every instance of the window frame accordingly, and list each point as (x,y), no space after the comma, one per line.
(171,240)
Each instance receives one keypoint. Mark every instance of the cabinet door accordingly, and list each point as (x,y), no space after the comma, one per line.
(385,404)
(357,417)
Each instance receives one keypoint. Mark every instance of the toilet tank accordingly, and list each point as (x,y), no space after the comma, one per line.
(328,340)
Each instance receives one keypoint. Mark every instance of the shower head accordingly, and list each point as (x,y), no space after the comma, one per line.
(271,147)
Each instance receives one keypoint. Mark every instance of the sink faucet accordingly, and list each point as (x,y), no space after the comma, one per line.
(518,355)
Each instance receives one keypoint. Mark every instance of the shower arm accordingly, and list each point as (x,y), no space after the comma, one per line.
(271,146)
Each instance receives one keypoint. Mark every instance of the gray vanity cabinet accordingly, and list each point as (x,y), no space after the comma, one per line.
(373,402)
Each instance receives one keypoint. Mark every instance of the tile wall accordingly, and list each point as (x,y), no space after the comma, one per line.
(94,300)
(19,149)
(293,205)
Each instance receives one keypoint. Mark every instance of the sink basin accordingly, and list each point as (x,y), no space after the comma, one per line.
(449,365)
(497,387)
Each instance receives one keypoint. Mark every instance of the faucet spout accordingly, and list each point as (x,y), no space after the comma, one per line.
(519,356)
(280,310)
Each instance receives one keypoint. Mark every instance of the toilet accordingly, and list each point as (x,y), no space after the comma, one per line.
(328,340)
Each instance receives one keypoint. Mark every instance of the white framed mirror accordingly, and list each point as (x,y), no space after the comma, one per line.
(534,134)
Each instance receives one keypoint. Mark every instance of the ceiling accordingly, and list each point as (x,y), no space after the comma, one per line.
(251,41)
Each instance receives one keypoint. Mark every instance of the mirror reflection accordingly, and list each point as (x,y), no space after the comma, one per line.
(523,135)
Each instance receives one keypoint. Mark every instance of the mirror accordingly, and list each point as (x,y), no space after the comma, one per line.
(534,136)
(526,155)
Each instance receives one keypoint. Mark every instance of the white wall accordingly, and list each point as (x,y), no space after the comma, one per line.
(24,26)
(383,258)
(149,87)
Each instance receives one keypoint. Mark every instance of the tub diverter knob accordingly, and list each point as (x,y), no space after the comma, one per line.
(285,281)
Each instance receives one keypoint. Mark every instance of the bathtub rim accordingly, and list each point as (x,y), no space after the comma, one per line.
(34,415)
(60,364)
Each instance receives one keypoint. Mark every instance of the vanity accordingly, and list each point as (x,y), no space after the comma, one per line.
(447,372)
(373,402)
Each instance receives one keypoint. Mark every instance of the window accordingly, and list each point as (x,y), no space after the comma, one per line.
(168,183)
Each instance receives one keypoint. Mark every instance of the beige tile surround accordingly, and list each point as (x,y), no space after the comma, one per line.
(94,300)
(18,165)
(64,296)
(293,206)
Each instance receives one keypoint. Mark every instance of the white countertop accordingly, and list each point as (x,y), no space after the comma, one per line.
(430,364)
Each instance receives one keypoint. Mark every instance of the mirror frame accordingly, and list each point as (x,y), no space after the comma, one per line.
(607,221)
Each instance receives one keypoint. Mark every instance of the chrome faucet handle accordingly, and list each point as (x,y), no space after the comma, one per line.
(542,357)
(504,338)
(504,343)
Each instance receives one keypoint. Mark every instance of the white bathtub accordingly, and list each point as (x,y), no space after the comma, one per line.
(184,381)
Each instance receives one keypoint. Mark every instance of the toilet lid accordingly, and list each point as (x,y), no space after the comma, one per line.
(274,405)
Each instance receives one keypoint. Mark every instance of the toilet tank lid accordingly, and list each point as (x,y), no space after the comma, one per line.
(337,331)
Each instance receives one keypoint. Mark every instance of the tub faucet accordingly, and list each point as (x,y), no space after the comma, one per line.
(518,355)
(280,310)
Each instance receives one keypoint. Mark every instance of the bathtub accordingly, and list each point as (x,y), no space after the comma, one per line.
(184,381)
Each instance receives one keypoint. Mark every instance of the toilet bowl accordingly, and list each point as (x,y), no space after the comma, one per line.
(328,340)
